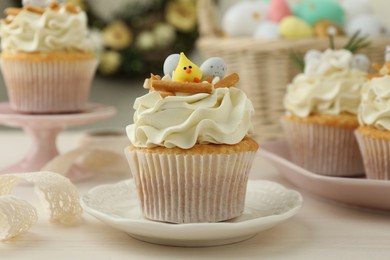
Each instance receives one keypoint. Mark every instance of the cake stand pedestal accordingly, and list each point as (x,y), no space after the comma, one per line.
(43,131)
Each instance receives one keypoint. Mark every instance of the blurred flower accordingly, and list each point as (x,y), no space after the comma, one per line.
(182,15)
(117,35)
(145,41)
(164,34)
(110,61)
(78,3)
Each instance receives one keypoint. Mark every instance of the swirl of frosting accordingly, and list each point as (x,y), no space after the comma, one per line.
(51,31)
(374,109)
(329,85)
(223,117)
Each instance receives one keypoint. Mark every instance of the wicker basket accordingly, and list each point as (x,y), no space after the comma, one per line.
(264,66)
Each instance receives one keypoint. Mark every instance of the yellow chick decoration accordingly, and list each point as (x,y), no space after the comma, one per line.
(187,71)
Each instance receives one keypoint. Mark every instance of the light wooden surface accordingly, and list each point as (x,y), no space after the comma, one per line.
(321,230)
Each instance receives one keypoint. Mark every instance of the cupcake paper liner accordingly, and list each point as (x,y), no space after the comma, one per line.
(48,87)
(190,188)
(376,156)
(325,150)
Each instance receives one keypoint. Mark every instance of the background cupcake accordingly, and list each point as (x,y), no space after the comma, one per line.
(374,133)
(322,103)
(190,154)
(46,58)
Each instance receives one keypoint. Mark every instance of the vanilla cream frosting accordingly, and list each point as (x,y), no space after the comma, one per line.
(329,85)
(374,109)
(52,31)
(223,117)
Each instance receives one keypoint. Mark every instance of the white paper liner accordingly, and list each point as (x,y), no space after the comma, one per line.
(16,216)
(324,150)
(48,87)
(190,188)
(376,156)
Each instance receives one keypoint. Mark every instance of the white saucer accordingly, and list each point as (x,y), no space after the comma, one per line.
(354,191)
(267,204)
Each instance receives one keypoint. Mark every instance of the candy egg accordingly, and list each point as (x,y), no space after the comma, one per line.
(215,67)
(361,61)
(243,18)
(292,27)
(267,30)
(367,25)
(313,11)
(278,10)
(312,55)
(354,8)
(170,63)
(321,28)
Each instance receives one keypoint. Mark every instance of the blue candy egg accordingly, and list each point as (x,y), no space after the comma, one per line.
(170,63)
(313,11)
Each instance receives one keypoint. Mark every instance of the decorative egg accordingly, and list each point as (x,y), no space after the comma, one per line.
(278,9)
(354,8)
(313,11)
(361,61)
(367,25)
(170,63)
(267,30)
(243,18)
(292,27)
(215,67)
(321,28)
(312,55)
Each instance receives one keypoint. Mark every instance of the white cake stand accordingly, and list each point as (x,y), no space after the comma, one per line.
(44,129)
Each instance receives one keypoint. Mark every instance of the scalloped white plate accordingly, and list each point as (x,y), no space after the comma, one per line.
(267,205)
(361,192)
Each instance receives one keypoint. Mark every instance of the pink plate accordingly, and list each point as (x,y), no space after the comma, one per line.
(355,191)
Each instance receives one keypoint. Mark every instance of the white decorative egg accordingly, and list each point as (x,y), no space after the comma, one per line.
(244,17)
(354,8)
(312,55)
(361,61)
(267,30)
(215,67)
(367,25)
(170,63)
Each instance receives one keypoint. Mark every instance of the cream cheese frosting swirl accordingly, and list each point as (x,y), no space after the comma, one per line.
(51,31)
(374,109)
(329,85)
(223,117)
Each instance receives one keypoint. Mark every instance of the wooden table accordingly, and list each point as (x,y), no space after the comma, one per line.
(321,230)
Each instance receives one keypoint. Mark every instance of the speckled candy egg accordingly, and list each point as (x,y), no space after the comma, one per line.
(215,67)
(313,11)
(170,63)
(267,30)
(312,55)
(361,61)
(243,18)
(368,25)
(292,27)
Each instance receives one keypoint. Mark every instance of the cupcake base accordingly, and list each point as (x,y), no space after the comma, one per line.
(204,184)
(375,148)
(324,149)
(48,83)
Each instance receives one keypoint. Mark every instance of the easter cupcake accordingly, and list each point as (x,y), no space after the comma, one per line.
(322,104)
(191,153)
(374,132)
(46,58)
